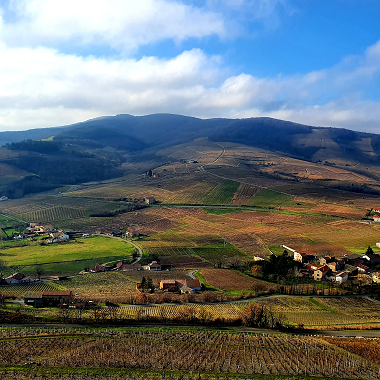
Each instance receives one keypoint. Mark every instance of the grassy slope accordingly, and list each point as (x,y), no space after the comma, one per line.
(80,249)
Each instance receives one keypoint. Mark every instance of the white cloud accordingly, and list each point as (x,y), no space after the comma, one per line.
(118,24)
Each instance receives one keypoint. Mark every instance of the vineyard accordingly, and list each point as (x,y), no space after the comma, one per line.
(222,194)
(325,311)
(20,290)
(194,353)
(52,214)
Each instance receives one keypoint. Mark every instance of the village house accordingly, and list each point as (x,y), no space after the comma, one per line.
(376,209)
(376,218)
(338,277)
(182,286)
(303,256)
(321,273)
(58,297)
(153,266)
(150,200)
(373,259)
(352,271)
(18,278)
(127,267)
(132,232)
(376,277)
(57,237)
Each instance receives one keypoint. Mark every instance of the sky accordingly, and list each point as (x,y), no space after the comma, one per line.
(315,62)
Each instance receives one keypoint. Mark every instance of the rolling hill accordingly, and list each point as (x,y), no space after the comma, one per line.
(110,147)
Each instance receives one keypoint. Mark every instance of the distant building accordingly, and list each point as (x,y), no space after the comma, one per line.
(56,237)
(376,218)
(321,273)
(18,278)
(182,286)
(303,256)
(150,200)
(3,198)
(127,267)
(153,266)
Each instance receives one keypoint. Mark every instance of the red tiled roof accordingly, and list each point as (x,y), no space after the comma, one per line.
(56,293)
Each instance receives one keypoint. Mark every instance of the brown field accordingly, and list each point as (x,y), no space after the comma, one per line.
(185,262)
(225,279)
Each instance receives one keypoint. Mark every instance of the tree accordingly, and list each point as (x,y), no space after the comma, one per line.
(369,251)
(143,283)
(39,271)
(149,285)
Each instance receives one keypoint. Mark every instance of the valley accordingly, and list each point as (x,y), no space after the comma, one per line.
(215,213)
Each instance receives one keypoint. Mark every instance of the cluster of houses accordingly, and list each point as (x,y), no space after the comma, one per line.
(337,269)
(120,266)
(17,278)
(37,229)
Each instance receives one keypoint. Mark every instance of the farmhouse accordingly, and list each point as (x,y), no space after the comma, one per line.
(376,209)
(182,286)
(303,256)
(321,273)
(338,277)
(18,278)
(132,232)
(126,267)
(55,298)
(376,218)
(33,299)
(150,200)
(56,237)
(153,266)
(373,259)
(98,268)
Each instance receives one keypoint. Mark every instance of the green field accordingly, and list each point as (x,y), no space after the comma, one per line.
(81,249)
(270,198)
(222,193)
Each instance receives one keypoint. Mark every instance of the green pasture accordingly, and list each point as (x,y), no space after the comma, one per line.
(270,198)
(81,249)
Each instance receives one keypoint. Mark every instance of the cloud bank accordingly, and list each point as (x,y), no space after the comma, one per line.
(42,84)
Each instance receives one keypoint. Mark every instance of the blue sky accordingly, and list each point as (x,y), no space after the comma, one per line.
(310,61)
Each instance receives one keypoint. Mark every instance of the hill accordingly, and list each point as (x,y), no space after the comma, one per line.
(111,147)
